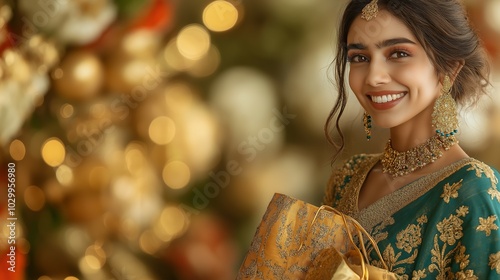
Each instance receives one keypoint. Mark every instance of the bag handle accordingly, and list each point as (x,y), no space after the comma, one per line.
(360,231)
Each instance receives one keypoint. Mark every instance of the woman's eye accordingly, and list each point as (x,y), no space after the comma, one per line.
(358,58)
(399,54)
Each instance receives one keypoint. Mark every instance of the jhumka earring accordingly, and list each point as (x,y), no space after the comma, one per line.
(367,122)
(370,10)
(444,116)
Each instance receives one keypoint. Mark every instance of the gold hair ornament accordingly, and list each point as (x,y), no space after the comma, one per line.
(370,11)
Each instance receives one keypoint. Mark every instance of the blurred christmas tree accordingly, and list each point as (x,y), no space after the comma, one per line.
(149,136)
(125,142)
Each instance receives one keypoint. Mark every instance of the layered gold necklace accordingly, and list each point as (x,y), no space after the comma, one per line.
(402,163)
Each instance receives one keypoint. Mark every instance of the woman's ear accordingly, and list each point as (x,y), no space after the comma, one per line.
(456,70)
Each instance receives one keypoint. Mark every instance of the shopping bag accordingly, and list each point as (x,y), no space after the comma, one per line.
(298,240)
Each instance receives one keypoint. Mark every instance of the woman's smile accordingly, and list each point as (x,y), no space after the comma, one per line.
(386,97)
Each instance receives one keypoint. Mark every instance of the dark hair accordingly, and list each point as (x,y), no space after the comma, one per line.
(444,31)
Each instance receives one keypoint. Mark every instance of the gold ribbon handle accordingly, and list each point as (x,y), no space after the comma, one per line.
(360,232)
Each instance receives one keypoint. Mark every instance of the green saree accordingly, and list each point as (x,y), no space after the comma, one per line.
(442,226)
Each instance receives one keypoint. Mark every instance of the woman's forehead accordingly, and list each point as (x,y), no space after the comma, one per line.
(384,27)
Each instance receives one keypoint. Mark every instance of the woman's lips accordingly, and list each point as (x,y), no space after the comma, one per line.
(385,100)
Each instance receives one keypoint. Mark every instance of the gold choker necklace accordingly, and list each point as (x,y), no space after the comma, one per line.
(402,163)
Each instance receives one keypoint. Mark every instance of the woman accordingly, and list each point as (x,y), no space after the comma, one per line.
(433,210)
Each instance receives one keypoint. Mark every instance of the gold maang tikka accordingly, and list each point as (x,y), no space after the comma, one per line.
(370,11)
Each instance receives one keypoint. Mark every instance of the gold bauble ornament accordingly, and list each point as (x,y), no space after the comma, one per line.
(79,76)
(128,75)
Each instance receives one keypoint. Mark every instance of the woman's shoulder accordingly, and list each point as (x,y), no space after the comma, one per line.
(476,176)
(342,174)
(357,161)
(354,165)
(476,170)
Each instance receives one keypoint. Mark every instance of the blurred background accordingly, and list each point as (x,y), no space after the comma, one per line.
(148,136)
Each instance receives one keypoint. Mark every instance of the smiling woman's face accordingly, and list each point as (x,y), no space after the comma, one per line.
(390,72)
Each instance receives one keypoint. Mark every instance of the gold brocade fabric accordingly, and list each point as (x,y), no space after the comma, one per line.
(297,240)
(442,226)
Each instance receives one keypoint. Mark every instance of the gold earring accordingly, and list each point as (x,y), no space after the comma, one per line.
(444,116)
(370,10)
(367,123)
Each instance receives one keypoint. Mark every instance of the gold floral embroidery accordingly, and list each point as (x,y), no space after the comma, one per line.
(390,256)
(467,275)
(461,258)
(495,262)
(418,274)
(487,225)
(440,261)
(451,191)
(482,168)
(450,229)
(390,204)
(447,246)
(463,211)
(343,186)
(378,233)
(422,219)
(494,194)
(409,238)
(450,232)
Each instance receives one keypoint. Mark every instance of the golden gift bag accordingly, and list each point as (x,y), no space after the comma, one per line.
(297,240)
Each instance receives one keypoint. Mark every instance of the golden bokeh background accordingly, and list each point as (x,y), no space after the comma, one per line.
(149,136)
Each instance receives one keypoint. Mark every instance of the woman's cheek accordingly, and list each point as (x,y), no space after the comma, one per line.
(355,81)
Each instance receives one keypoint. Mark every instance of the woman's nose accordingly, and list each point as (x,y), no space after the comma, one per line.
(378,73)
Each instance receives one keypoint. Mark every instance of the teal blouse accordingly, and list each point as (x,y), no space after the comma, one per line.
(442,226)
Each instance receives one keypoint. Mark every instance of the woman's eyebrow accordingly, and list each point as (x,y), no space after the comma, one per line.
(383,44)
(395,41)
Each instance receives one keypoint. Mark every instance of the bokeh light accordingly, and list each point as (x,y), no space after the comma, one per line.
(67,110)
(220,16)
(207,65)
(172,222)
(193,41)
(64,175)
(176,174)
(34,198)
(17,150)
(162,130)
(53,152)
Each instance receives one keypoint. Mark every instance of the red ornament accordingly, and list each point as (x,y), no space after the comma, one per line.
(157,17)
(6,40)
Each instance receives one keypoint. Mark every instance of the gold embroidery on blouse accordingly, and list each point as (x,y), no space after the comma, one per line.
(409,238)
(482,168)
(462,258)
(494,194)
(354,171)
(451,229)
(494,262)
(378,234)
(450,232)
(487,225)
(451,191)
(447,248)
(418,274)
(466,275)
(392,260)
(390,204)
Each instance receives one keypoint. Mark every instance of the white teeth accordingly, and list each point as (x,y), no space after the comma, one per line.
(386,98)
